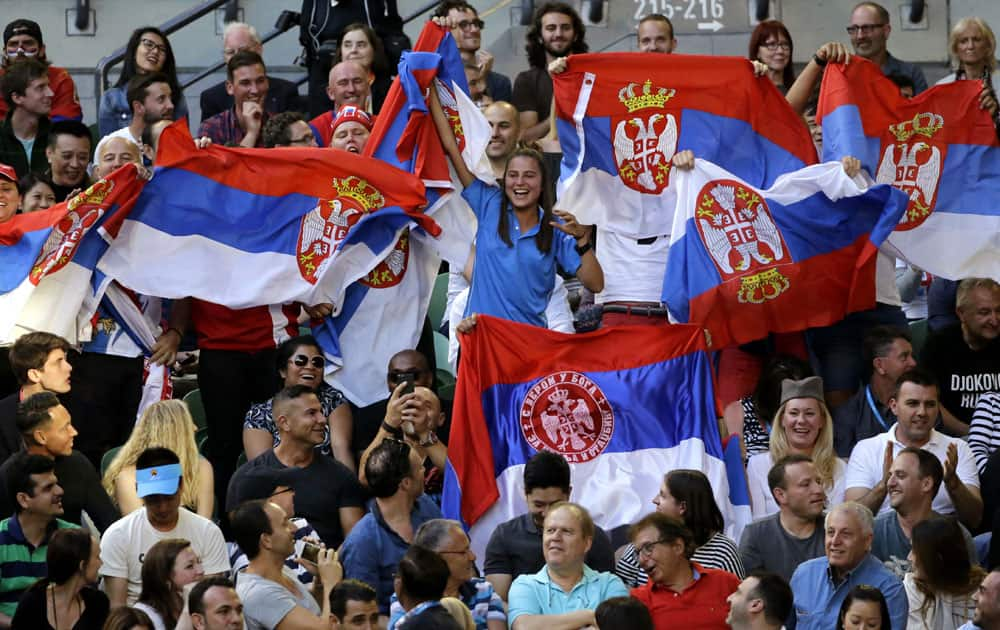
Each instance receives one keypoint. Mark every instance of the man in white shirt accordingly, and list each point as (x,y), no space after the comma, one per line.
(915,405)
(125,543)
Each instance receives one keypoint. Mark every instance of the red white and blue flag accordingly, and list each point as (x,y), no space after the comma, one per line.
(939,147)
(253,227)
(48,258)
(621,118)
(384,312)
(746,262)
(623,405)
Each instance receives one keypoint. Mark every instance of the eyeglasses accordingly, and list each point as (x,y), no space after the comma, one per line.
(773,46)
(151,45)
(647,549)
(467,24)
(462,552)
(301,360)
(864,29)
(277,492)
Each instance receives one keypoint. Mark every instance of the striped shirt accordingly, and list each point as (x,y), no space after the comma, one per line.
(720,552)
(21,565)
(984,432)
(478,596)
(755,438)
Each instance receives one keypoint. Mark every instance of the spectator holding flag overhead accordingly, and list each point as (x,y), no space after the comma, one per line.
(508,218)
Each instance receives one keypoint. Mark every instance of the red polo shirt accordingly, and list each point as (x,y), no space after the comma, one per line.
(701,606)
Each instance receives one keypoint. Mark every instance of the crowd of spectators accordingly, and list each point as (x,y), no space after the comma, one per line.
(871,452)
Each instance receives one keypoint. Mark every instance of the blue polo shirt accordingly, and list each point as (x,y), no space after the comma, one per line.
(536,594)
(513,282)
(818,598)
(372,550)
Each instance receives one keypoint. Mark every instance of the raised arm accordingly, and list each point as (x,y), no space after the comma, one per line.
(447,137)
(798,95)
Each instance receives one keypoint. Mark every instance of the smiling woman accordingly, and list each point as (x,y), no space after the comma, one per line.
(148,50)
(299,361)
(803,425)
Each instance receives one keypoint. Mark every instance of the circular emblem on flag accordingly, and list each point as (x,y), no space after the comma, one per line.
(567,413)
(82,212)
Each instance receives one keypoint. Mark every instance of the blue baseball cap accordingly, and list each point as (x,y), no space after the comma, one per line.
(158,480)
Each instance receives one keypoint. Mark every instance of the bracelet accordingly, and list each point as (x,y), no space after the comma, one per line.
(395,432)
(177,330)
(583,249)
(819,62)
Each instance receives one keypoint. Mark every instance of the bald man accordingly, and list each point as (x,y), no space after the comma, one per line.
(348,85)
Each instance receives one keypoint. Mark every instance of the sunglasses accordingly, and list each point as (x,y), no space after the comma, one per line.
(397,377)
(301,360)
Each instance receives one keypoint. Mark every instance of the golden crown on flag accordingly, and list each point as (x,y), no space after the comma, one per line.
(95,195)
(924,124)
(359,190)
(634,102)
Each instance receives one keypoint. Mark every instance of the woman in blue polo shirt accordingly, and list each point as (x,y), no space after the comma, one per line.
(520,237)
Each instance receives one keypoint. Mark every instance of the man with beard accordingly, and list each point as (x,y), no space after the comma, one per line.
(869,31)
(468,34)
(149,95)
(557,31)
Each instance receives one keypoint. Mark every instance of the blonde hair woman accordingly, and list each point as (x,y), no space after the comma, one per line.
(973,49)
(165,423)
(802,425)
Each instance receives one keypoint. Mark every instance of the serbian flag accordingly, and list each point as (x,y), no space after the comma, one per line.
(383,313)
(623,405)
(622,116)
(48,257)
(746,262)
(252,227)
(939,147)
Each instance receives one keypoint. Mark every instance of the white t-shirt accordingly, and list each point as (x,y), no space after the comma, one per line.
(125,543)
(864,470)
(762,502)
(632,272)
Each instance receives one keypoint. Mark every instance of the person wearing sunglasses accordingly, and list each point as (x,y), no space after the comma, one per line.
(22,39)
(869,31)
(300,362)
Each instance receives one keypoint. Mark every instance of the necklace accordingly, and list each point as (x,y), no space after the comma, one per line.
(55,611)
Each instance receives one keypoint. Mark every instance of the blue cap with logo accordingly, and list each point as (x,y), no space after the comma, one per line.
(158,480)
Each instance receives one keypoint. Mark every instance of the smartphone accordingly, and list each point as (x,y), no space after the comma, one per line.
(310,552)
(409,378)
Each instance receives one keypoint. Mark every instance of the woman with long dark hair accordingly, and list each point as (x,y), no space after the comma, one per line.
(942,578)
(169,566)
(687,496)
(148,50)
(67,599)
(520,237)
